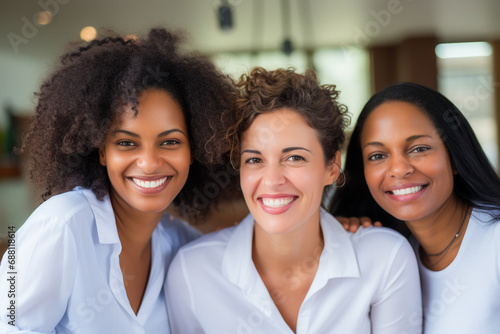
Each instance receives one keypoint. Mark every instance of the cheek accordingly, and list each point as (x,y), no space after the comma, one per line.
(442,174)
(310,182)
(248,181)
(373,178)
(115,163)
(181,160)
(305,179)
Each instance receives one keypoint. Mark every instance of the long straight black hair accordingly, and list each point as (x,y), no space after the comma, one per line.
(476,182)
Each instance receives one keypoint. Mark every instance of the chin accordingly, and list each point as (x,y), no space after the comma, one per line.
(276,226)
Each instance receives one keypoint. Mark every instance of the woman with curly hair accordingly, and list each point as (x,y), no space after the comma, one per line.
(289,266)
(122,129)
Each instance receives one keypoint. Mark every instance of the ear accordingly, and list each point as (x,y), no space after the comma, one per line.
(102,156)
(333,169)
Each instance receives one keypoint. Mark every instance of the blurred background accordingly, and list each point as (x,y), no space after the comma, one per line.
(361,46)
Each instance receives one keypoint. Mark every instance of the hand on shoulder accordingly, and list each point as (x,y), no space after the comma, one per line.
(352,224)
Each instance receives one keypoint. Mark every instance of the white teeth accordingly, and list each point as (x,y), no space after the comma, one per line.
(407,191)
(150,184)
(277,203)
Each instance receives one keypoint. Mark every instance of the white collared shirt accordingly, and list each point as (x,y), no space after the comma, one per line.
(68,277)
(464,297)
(366,282)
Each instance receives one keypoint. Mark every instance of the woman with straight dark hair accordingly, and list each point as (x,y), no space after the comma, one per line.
(414,158)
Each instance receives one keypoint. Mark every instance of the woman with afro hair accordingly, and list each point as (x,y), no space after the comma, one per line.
(122,129)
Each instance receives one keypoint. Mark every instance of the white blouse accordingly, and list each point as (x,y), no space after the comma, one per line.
(67,273)
(366,282)
(464,297)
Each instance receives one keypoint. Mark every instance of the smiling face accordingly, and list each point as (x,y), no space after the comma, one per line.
(148,156)
(407,167)
(283,171)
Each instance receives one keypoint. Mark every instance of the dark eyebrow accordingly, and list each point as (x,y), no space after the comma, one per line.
(375,143)
(135,135)
(412,138)
(285,150)
(409,139)
(251,151)
(288,149)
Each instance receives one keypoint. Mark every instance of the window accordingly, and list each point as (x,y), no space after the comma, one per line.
(465,77)
(346,67)
(237,63)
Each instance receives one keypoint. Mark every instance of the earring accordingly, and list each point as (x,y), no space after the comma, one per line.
(340,182)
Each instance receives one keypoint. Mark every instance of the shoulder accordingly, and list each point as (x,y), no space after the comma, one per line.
(380,239)
(177,231)
(378,235)
(58,226)
(381,242)
(224,253)
(210,248)
(210,242)
(67,202)
(483,226)
(486,218)
(64,208)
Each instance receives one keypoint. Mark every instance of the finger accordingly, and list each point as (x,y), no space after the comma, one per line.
(354,224)
(365,221)
(344,221)
(377,223)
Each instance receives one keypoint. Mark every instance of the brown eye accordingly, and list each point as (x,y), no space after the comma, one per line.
(296,158)
(375,157)
(125,143)
(170,142)
(420,149)
(252,161)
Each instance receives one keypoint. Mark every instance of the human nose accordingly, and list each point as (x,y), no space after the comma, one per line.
(400,166)
(149,160)
(273,175)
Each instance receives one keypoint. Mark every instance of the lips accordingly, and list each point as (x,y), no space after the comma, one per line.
(277,202)
(406,191)
(149,184)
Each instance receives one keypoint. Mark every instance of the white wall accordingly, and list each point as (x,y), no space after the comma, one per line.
(20,77)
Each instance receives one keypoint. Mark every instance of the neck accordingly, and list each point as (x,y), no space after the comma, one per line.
(135,228)
(282,252)
(435,233)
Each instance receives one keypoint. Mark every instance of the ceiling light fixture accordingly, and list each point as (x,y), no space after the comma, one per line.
(43,18)
(287,46)
(463,50)
(225,16)
(88,33)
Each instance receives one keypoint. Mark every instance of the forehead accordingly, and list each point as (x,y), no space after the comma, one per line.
(152,103)
(278,124)
(397,116)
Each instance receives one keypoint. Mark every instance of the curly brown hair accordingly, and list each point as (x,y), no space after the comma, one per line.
(89,88)
(262,91)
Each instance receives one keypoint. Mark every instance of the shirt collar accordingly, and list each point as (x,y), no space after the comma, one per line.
(237,264)
(104,218)
(338,258)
